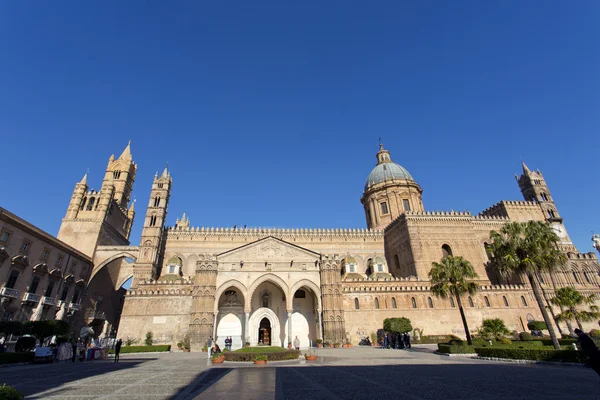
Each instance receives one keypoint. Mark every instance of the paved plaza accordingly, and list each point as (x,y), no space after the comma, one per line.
(356,373)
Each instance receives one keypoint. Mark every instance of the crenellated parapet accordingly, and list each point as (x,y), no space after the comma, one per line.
(282,233)
(411,284)
(581,256)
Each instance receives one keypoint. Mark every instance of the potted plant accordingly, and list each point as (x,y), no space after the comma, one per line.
(260,359)
(326,344)
(185,343)
(336,345)
(217,358)
(347,344)
(247,344)
(289,345)
(310,356)
(179,345)
(319,343)
(374,339)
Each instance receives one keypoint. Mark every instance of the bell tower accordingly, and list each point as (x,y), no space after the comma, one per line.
(101,217)
(534,188)
(152,241)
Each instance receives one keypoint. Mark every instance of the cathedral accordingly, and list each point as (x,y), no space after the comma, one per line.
(269,286)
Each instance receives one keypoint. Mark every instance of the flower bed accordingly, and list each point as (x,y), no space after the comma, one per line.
(532,354)
(271,356)
(12,358)
(143,349)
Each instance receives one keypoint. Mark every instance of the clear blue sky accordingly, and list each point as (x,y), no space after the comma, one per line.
(269,113)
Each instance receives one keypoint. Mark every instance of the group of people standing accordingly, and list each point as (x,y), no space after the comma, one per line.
(394,340)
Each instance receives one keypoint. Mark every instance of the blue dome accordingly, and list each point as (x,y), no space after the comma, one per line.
(387,171)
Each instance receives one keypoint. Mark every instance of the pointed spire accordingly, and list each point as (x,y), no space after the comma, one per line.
(84,179)
(166,171)
(126,154)
(525,168)
(184,218)
(132,208)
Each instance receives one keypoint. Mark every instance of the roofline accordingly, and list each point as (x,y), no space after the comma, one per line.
(7,215)
(265,238)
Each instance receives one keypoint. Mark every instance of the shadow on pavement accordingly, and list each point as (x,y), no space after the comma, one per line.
(32,379)
(202,382)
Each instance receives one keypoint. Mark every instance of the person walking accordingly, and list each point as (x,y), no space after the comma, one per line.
(74,350)
(209,344)
(297,343)
(385,341)
(407,340)
(118,349)
(589,348)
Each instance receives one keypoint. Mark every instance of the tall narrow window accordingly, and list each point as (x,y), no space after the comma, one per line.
(487,301)
(446,250)
(551,214)
(64,294)
(471,302)
(34,284)
(393,303)
(153,220)
(452,302)
(587,278)
(376,303)
(523,301)
(157,201)
(430,301)
(414,302)
(49,289)
(397,263)
(384,208)
(12,279)
(75,297)
(576,278)
(356,305)
(90,204)
(505,301)
(406,205)
(544,197)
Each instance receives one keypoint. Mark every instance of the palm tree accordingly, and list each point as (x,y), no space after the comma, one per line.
(569,300)
(449,278)
(527,248)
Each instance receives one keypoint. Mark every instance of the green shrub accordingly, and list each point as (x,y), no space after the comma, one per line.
(480,342)
(505,341)
(455,349)
(532,344)
(525,336)
(148,340)
(130,341)
(261,357)
(494,327)
(456,342)
(10,393)
(536,325)
(435,339)
(271,356)
(532,354)
(12,358)
(11,328)
(595,333)
(144,349)
(260,349)
(398,325)
(548,342)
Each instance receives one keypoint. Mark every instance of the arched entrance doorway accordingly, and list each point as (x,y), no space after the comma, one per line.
(264,332)
(271,326)
(230,316)
(305,317)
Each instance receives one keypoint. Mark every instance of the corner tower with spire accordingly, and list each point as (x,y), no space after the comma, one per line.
(390,190)
(102,217)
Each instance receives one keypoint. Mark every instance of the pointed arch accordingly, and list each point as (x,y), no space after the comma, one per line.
(277,281)
(229,284)
(309,284)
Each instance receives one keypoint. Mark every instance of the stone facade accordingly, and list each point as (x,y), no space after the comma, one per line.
(264,285)
(41,277)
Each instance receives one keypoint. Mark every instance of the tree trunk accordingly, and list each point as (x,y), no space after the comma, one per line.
(578,320)
(464,320)
(550,306)
(570,326)
(538,298)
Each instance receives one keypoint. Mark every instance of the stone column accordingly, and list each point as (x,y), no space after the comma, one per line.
(246,337)
(214,335)
(290,338)
(320,324)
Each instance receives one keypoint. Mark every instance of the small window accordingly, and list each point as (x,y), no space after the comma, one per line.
(384,208)
(406,205)
(59,261)
(523,301)
(487,301)
(446,250)
(45,254)
(300,294)
(34,284)
(12,279)
(25,246)
(430,302)
(160,185)
(379,267)
(265,301)
(471,302)
(452,302)
(116,174)
(376,303)
(414,302)
(351,268)
(172,269)
(4,237)
(394,303)
(356,305)
(505,301)
(49,289)
(90,204)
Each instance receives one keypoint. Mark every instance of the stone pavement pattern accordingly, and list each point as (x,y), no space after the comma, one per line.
(357,373)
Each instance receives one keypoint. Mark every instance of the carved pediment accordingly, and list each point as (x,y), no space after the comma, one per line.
(269,249)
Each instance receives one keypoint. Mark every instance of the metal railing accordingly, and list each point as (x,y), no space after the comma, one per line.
(31,297)
(91,314)
(75,306)
(8,292)
(48,301)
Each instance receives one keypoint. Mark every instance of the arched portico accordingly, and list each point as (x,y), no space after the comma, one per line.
(229,312)
(254,326)
(304,317)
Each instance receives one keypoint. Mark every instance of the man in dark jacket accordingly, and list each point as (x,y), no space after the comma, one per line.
(590,349)
(118,349)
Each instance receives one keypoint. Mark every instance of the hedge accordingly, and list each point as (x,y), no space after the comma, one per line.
(276,356)
(434,339)
(11,358)
(532,354)
(548,342)
(455,349)
(143,349)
